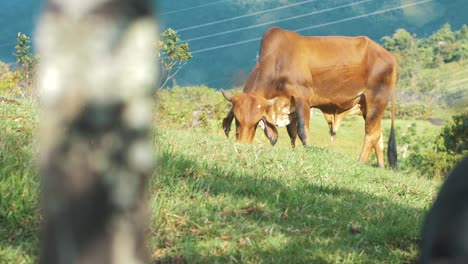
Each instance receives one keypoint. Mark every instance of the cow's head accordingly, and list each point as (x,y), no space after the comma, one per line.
(250,111)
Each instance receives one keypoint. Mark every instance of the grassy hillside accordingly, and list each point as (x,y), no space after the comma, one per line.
(453,82)
(19,215)
(213,200)
(414,131)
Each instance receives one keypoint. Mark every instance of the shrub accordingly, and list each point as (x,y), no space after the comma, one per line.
(173,56)
(198,106)
(449,148)
(26,65)
(9,80)
(432,164)
(454,136)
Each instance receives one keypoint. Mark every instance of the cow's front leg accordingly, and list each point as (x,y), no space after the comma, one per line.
(292,129)
(303,118)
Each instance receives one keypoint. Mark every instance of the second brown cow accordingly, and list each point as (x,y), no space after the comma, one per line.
(336,74)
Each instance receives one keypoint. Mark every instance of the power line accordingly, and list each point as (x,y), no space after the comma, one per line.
(193,7)
(317,26)
(277,21)
(225,45)
(243,16)
(361,16)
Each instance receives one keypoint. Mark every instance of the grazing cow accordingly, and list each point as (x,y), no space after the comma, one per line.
(335,74)
(445,232)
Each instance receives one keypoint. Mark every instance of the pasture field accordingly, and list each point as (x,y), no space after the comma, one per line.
(212,200)
(19,183)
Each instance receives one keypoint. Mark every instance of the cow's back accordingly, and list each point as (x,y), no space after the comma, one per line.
(324,65)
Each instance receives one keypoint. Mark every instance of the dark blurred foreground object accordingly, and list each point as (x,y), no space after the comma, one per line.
(95,77)
(445,233)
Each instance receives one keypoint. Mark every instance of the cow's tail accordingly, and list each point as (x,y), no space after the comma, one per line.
(392,154)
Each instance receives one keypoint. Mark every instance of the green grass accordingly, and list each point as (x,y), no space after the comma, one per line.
(220,201)
(19,183)
(213,200)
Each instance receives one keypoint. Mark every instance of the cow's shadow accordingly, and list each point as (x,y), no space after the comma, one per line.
(309,221)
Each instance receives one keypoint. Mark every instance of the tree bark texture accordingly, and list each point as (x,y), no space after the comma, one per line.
(98,64)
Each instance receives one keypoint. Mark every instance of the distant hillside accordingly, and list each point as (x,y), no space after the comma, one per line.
(248,19)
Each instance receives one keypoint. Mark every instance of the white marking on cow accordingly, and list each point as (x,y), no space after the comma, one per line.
(283,120)
(261,124)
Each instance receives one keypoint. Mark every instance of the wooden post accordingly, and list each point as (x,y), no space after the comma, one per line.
(97,67)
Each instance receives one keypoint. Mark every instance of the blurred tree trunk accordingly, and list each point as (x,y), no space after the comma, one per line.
(95,78)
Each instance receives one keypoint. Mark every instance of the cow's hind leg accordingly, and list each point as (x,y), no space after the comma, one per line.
(379,150)
(374,109)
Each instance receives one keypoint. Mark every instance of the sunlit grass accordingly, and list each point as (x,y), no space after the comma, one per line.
(213,200)
(216,200)
(18,183)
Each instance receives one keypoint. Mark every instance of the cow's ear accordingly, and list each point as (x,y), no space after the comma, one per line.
(227,123)
(270,131)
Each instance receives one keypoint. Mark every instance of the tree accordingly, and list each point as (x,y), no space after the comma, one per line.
(26,62)
(95,144)
(462,34)
(173,56)
(444,34)
(401,41)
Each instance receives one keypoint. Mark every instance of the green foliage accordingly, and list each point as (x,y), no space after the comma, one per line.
(445,33)
(19,80)
(401,41)
(23,54)
(432,164)
(9,80)
(188,107)
(449,45)
(173,55)
(26,62)
(447,150)
(416,57)
(405,46)
(462,34)
(454,136)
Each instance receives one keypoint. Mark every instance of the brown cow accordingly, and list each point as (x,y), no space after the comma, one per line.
(332,73)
